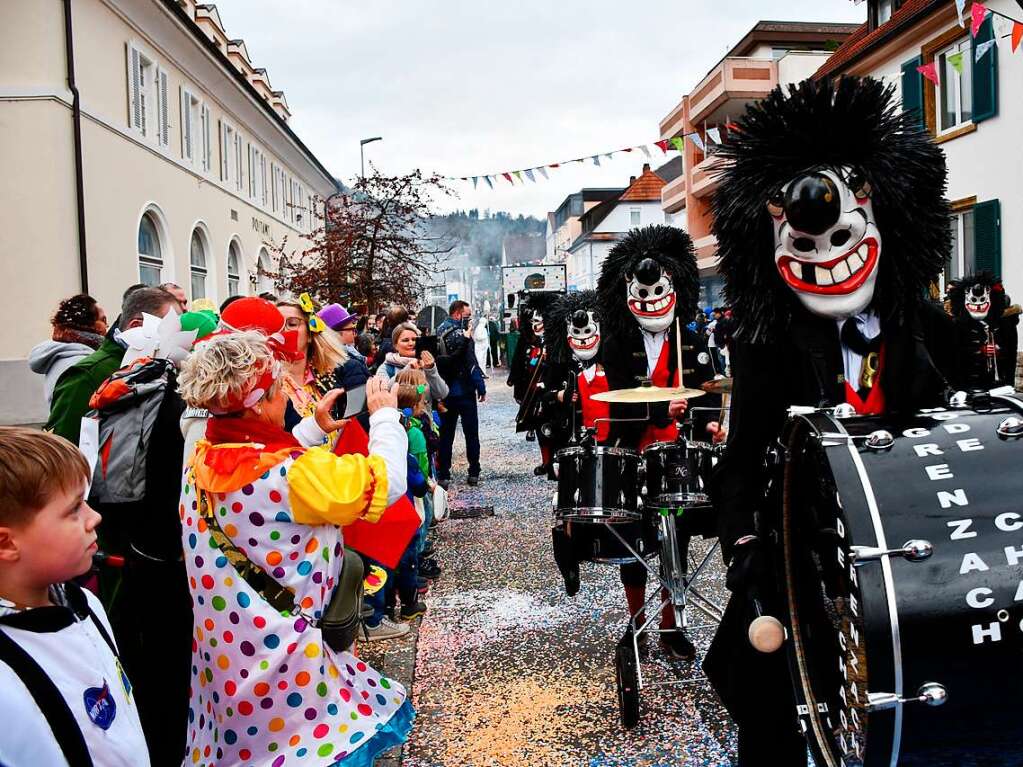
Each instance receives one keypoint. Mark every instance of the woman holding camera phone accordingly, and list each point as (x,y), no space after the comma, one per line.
(405,354)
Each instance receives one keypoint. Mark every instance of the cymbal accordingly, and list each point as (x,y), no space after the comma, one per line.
(648,394)
(718,386)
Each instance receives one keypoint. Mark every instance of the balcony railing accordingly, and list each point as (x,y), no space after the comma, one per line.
(733,78)
(673,195)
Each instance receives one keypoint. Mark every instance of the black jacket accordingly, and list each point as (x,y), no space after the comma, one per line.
(973,336)
(807,369)
(625,364)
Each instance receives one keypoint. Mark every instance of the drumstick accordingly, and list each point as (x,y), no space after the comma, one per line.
(678,349)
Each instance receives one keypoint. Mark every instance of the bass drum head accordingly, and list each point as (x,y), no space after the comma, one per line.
(827,651)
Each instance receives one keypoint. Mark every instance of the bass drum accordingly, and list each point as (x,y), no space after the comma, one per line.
(911,657)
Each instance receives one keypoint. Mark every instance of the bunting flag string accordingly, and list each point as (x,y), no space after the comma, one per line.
(677,143)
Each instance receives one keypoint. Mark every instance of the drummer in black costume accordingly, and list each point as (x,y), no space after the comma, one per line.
(831,221)
(988,337)
(528,376)
(647,280)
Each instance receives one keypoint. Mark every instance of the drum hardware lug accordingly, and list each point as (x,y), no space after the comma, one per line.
(843,411)
(959,399)
(930,693)
(880,440)
(915,550)
(1011,427)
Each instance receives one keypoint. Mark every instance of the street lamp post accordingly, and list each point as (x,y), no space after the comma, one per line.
(362,161)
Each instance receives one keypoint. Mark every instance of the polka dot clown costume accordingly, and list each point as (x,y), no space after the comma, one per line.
(266,689)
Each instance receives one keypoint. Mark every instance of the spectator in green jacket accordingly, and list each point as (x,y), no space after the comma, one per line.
(76,386)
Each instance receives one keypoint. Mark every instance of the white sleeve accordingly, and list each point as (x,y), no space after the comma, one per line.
(308,432)
(388,440)
(382,372)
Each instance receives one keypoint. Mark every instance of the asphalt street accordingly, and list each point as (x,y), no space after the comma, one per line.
(508,670)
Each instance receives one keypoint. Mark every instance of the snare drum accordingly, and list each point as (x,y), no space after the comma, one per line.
(674,473)
(903,565)
(598,484)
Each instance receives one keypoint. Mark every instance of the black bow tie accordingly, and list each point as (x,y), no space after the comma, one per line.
(853,337)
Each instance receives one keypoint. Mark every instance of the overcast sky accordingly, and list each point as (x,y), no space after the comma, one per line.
(469,87)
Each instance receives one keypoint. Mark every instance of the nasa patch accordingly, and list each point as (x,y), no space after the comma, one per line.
(703,358)
(100,706)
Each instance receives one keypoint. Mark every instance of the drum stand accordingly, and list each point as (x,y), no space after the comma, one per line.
(681,594)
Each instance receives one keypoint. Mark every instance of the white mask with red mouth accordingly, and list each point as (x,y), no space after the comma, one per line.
(978,301)
(583,335)
(651,296)
(536,322)
(826,243)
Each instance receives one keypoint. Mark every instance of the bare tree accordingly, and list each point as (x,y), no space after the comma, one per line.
(376,244)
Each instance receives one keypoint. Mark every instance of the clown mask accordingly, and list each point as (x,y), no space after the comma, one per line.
(583,335)
(651,296)
(536,322)
(978,301)
(826,242)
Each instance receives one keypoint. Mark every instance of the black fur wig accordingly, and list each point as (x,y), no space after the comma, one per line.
(530,305)
(672,249)
(957,295)
(556,327)
(855,123)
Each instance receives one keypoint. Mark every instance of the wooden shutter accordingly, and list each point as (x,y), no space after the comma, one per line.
(187,141)
(222,141)
(987,236)
(985,75)
(913,89)
(207,149)
(162,99)
(134,87)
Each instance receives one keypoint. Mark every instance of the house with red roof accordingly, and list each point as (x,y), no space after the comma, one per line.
(974,111)
(638,205)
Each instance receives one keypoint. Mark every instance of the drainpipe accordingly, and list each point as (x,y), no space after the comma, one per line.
(76,121)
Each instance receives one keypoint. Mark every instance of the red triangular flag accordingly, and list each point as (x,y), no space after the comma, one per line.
(1017,35)
(554,165)
(733,126)
(930,71)
(662,145)
(977,15)
(507,176)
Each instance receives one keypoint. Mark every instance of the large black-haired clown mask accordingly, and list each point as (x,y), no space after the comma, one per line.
(978,301)
(826,242)
(651,296)
(583,335)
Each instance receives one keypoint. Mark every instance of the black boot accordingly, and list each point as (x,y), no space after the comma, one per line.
(564,557)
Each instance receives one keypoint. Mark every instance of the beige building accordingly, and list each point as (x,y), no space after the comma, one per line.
(139,144)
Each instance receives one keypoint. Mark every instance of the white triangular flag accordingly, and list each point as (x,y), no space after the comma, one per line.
(983,48)
(543,171)
(644,149)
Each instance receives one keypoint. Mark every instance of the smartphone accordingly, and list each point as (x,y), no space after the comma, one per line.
(340,407)
(427,344)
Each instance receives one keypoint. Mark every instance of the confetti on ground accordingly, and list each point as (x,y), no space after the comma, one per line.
(510,671)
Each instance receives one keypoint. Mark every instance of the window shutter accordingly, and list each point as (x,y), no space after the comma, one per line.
(987,236)
(222,141)
(162,99)
(913,89)
(134,87)
(985,75)
(187,140)
(207,150)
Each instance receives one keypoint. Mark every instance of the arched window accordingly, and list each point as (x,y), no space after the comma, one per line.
(197,259)
(264,283)
(150,252)
(234,279)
